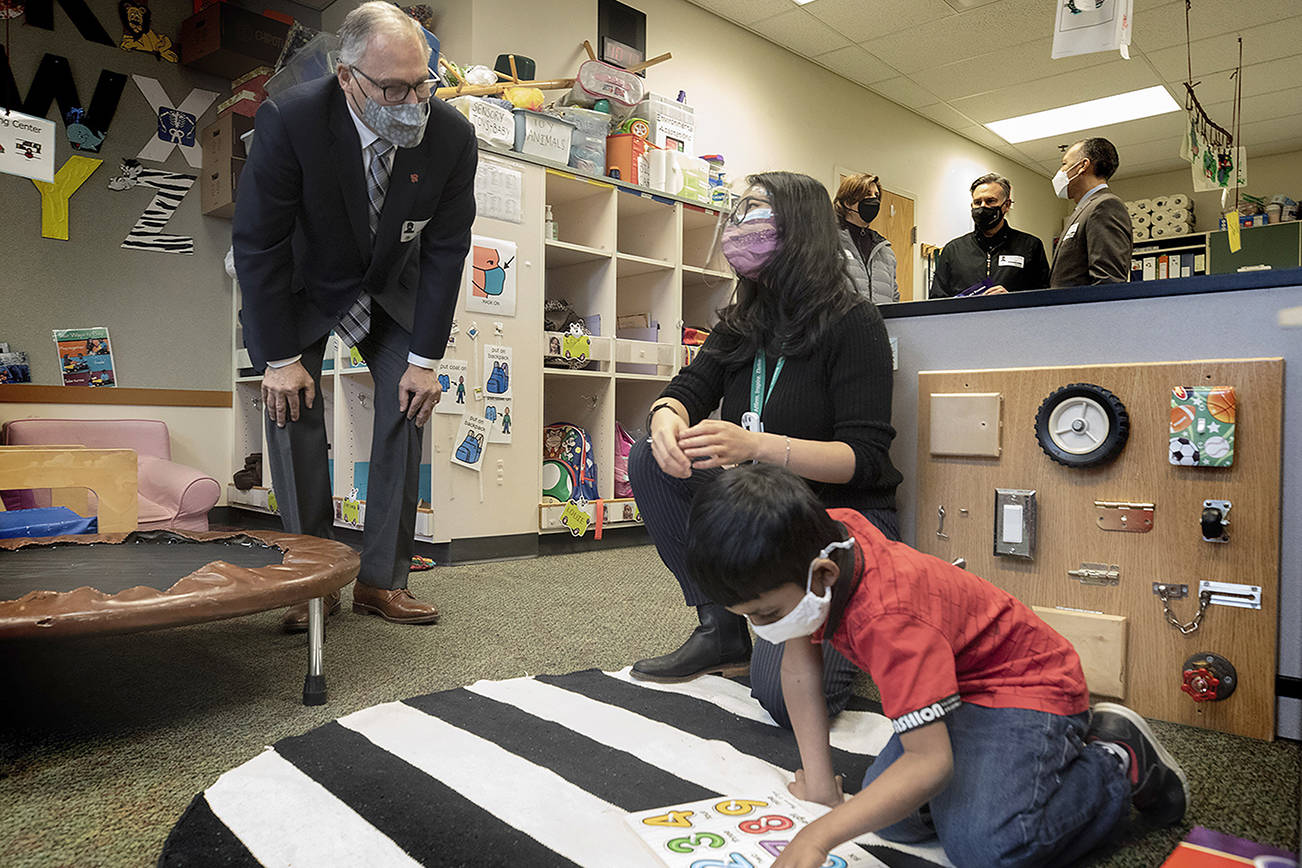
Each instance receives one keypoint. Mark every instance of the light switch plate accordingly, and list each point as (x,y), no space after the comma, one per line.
(967,423)
(1015,522)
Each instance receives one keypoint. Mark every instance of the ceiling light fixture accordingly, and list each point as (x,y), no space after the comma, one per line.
(803,2)
(1086,115)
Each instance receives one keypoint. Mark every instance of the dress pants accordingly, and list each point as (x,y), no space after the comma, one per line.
(300,469)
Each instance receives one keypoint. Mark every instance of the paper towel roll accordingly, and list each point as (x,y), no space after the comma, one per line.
(1173,229)
(1179,200)
(1160,202)
(1179,215)
(1140,233)
(1141,220)
(1161,230)
(1144,204)
(1159,217)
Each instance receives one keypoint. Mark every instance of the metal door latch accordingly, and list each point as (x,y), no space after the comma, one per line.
(1125,517)
(940,523)
(1097,574)
(1230,594)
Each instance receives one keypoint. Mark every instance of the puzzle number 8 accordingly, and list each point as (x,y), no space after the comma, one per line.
(687,845)
(767,823)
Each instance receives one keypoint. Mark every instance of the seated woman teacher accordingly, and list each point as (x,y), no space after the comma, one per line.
(802,364)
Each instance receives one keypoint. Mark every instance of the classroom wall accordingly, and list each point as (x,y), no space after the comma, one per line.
(1278,173)
(1116,332)
(761,106)
(168,315)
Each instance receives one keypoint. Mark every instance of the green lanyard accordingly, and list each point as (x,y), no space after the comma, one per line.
(757,383)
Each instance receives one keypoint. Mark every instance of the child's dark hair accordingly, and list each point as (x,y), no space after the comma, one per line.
(753,529)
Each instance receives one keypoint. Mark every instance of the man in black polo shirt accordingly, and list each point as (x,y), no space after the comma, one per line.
(996,255)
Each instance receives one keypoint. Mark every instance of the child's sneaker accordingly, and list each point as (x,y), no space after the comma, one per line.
(1158,787)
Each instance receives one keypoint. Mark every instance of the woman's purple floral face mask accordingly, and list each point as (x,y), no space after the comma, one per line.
(750,237)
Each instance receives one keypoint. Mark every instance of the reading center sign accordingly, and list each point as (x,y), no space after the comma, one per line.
(26,146)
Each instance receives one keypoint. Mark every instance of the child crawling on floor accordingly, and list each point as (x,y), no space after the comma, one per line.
(995,751)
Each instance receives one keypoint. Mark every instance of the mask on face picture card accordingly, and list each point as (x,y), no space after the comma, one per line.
(750,244)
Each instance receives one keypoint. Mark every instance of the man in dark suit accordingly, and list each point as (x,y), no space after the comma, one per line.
(1095,246)
(354,214)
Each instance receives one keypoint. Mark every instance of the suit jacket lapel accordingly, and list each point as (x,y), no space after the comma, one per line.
(346,151)
(401,194)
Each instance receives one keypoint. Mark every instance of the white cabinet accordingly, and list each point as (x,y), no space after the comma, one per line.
(636,266)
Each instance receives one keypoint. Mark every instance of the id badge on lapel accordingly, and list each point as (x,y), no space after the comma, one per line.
(411,229)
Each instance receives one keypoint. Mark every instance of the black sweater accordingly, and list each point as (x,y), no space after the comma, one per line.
(842,391)
(1011,258)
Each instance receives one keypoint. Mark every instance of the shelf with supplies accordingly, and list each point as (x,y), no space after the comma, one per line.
(630,265)
(1169,258)
(615,512)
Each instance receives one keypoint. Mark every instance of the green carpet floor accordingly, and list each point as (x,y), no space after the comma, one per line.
(104,741)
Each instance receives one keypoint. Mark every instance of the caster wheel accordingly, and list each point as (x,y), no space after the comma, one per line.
(1082,425)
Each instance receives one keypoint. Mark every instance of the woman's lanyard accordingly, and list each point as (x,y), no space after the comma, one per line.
(758,397)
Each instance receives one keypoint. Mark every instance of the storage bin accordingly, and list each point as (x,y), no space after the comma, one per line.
(673,124)
(541,135)
(630,155)
(228,41)
(588,148)
(493,124)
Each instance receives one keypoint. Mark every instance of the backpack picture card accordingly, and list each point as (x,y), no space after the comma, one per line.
(468,445)
(497,371)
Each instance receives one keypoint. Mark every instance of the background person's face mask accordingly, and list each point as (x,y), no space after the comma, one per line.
(1061,182)
(402,124)
(749,245)
(809,614)
(987,216)
(869,208)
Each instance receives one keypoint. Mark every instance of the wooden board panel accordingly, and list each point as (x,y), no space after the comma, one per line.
(1173,552)
(110,473)
(14,393)
(1100,640)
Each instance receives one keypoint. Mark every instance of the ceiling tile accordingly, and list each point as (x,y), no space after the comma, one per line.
(859,20)
(745,11)
(905,92)
(1283,146)
(856,64)
(1264,43)
(1003,67)
(942,114)
(968,34)
(1117,76)
(801,32)
(1164,26)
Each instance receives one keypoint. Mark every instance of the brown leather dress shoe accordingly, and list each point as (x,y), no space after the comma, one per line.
(295,619)
(393,604)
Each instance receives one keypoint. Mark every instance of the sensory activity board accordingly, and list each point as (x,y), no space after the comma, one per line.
(733,832)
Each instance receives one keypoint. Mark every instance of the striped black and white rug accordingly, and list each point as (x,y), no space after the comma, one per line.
(530,772)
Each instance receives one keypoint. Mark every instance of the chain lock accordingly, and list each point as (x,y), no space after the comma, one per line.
(1204,600)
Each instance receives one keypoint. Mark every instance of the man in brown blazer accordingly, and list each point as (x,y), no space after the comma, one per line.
(1095,246)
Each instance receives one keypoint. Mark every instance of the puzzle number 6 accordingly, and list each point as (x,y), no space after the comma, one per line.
(767,823)
(687,845)
(739,807)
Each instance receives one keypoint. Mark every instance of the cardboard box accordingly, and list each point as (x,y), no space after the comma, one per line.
(254,80)
(228,41)
(630,155)
(221,141)
(244,103)
(217,186)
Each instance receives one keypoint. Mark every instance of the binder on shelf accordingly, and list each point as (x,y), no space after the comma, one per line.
(1150,268)
(1186,264)
(1136,270)
(1163,267)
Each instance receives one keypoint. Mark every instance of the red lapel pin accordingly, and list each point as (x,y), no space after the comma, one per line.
(414,177)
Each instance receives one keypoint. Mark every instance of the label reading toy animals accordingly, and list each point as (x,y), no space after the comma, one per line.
(734,832)
(1202,426)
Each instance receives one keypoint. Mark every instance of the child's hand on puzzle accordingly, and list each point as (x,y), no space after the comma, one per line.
(802,852)
(830,795)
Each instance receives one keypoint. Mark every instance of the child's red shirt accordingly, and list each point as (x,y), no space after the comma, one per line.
(932,635)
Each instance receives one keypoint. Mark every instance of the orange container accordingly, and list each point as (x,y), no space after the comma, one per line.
(630,154)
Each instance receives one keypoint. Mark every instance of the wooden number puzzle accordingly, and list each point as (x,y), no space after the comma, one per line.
(733,832)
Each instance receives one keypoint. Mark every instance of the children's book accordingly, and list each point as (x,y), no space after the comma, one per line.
(1204,848)
(733,832)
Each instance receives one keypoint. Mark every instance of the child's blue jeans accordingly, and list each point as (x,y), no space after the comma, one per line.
(1026,790)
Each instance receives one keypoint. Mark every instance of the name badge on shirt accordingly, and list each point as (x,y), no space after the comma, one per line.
(411,228)
(1013,260)
(1071,232)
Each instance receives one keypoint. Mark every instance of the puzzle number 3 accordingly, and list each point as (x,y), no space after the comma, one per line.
(688,845)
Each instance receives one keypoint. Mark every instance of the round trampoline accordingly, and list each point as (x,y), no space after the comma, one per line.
(57,587)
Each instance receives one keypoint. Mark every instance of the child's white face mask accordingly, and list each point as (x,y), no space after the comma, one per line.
(809,614)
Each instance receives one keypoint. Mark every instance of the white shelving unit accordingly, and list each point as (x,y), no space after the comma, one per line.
(622,253)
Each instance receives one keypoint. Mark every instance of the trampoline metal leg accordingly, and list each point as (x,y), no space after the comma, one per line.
(314,686)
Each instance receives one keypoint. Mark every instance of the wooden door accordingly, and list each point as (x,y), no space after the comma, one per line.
(896,222)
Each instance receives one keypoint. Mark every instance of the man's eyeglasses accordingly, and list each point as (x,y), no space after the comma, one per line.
(397,92)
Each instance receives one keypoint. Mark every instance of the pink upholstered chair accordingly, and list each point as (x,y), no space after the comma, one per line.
(171,495)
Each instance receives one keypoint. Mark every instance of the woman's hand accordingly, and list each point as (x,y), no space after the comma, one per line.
(802,852)
(667,427)
(802,788)
(711,443)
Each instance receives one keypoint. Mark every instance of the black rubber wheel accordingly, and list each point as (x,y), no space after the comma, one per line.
(1082,425)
